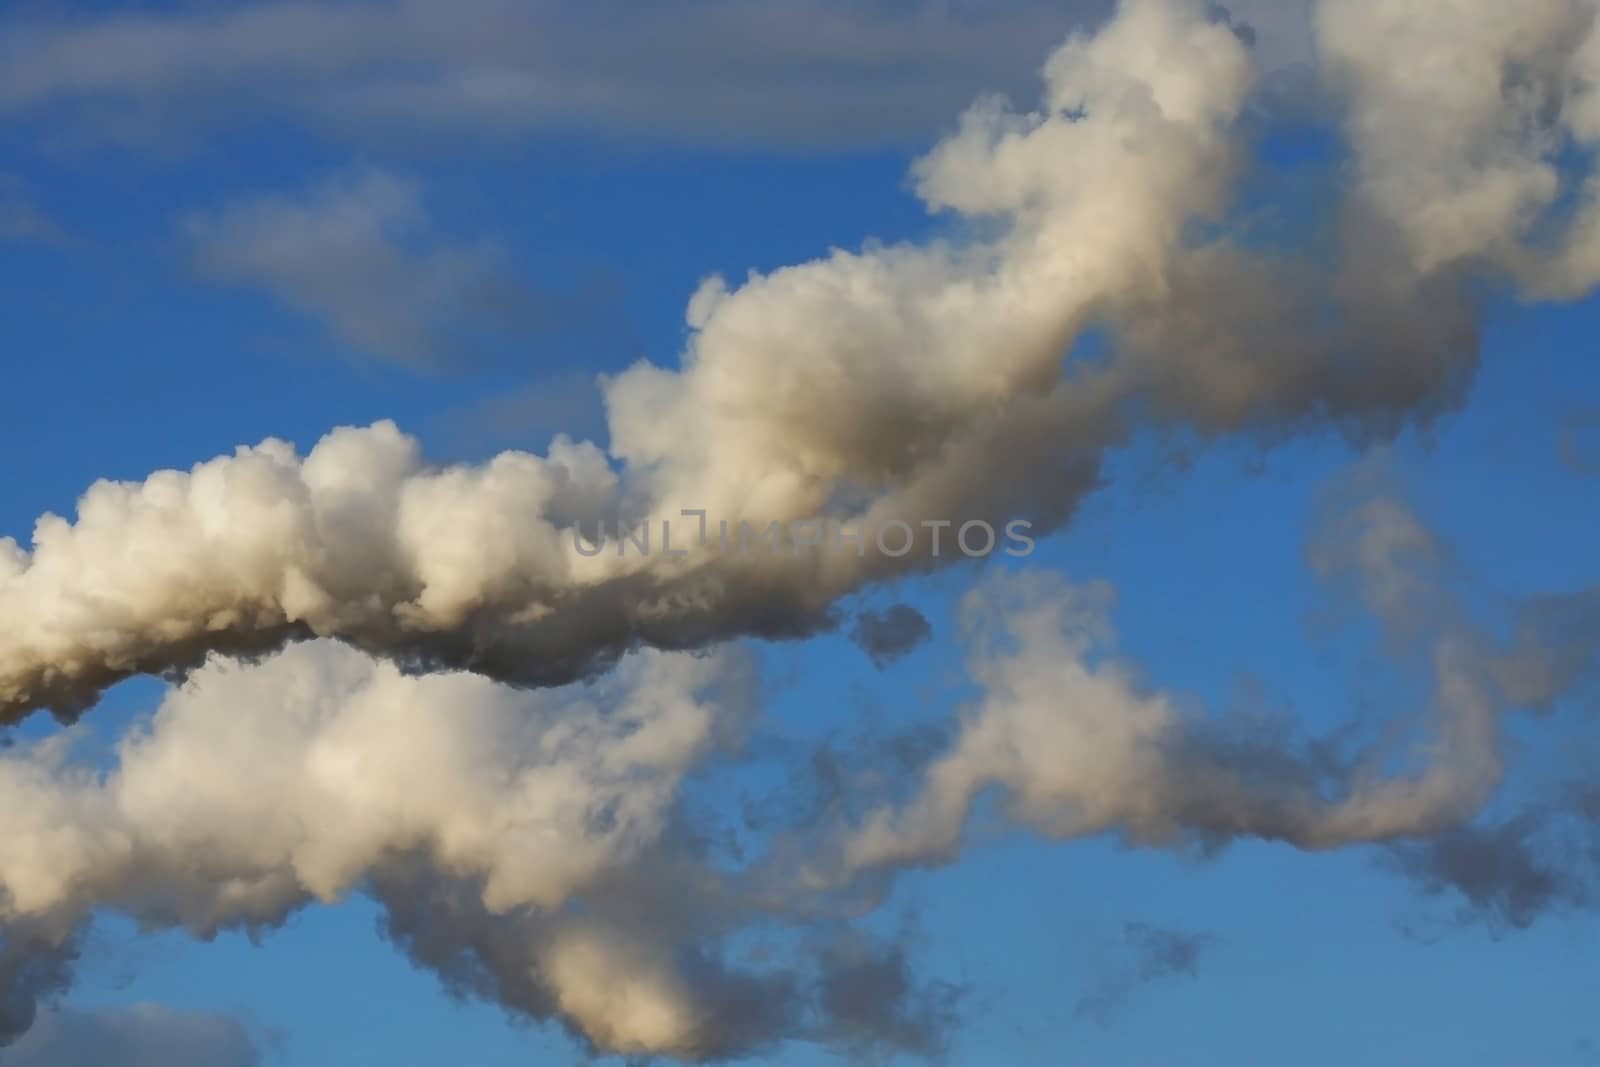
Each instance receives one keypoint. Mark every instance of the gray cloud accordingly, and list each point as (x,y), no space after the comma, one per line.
(1511,872)
(358,253)
(36,958)
(798,74)
(1552,649)
(138,1036)
(890,634)
(870,1000)
(818,73)
(617,972)
(640,970)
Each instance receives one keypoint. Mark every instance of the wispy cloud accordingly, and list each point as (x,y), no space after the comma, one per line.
(139,1036)
(358,253)
(1509,873)
(1148,955)
(799,74)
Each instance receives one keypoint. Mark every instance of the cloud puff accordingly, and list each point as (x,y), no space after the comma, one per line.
(336,761)
(339,764)
(887,635)
(1462,154)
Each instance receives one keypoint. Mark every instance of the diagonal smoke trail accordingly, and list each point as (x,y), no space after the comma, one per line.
(917,383)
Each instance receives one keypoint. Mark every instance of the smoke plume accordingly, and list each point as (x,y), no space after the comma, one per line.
(376,654)
(919,382)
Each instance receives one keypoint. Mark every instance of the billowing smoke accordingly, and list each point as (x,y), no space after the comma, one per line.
(533,845)
(1077,744)
(912,383)
(537,847)
(1458,117)
(339,764)
(529,846)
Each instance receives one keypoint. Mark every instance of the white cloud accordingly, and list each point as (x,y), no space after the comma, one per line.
(1462,153)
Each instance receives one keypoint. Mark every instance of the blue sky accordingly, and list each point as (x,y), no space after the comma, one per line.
(167,295)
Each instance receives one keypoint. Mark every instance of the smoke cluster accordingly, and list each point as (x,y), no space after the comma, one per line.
(898,382)
(540,848)
(530,846)
(401,730)
(1077,744)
